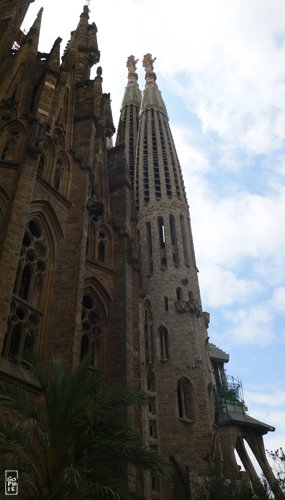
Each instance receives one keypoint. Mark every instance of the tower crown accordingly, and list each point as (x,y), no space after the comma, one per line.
(158,173)
(129,117)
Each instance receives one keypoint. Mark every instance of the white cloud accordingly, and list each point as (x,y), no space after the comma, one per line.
(231,228)
(225,60)
(231,52)
(251,325)
(223,288)
(271,397)
(193,157)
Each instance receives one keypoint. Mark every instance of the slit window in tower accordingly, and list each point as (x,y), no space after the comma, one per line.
(148,334)
(163,343)
(153,429)
(173,240)
(172,149)
(185,399)
(145,163)
(149,247)
(151,385)
(157,186)
(161,231)
(165,158)
(179,293)
(166,305)
(131,142)
(184,241)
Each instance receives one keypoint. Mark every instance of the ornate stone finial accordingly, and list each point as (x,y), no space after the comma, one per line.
(132,66)
(99,71)
(148,63)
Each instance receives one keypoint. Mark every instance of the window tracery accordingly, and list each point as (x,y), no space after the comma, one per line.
(92,331)
(99,243)
(54,166)
(25,314)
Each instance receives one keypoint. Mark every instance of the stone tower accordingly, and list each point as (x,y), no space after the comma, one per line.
(96,251)
(196,412)
(177,369)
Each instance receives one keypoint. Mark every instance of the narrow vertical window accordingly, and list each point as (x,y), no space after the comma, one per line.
(149,247)
(166,305)
(185,400)
(148,334)
(163,343)
(175,253)
(161,232)
(179,293)
(184,241)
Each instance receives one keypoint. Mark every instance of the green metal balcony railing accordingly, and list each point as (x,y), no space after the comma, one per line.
(229,396)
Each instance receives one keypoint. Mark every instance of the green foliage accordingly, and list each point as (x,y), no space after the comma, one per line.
(278,459)
(76,442)
(217,486)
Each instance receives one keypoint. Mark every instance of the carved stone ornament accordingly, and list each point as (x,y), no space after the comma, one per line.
(95,208)
(148,63)
(183,306)
(132,65)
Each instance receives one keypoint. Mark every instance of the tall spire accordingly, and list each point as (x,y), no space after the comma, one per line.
(132,91)
(34,31)
(129,118)
(151,95)
(37,23)
(160,178)
(174,327)
(82,49)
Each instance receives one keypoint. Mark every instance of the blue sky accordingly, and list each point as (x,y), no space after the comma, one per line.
(221,69)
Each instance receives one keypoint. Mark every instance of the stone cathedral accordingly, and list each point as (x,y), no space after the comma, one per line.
(97,256)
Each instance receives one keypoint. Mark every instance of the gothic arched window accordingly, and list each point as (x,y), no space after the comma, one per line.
(25,314)
(92,330)
(185,400)
(99,243)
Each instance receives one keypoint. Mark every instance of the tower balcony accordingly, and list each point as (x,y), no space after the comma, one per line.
(229,396)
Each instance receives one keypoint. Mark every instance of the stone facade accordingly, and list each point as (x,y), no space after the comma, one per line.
(96,250)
